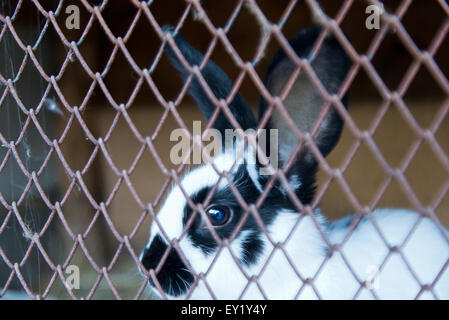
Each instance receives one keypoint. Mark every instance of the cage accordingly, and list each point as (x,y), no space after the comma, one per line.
(89,100)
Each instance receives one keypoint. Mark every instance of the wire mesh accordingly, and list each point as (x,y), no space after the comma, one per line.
(271,30)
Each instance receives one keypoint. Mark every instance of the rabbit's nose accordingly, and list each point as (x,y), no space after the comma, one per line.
(147,264)
(152,255)
(146,259)
(172,270)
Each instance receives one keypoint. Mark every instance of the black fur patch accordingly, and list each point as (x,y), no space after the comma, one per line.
(174,276)
(218,82)
(251,248)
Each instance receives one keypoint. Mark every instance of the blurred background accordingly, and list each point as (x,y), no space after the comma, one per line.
(427,174)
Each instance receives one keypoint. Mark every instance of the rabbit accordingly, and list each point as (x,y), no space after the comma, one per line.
(303,266)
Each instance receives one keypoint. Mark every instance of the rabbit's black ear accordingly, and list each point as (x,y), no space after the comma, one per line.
(304,103)
(218,82)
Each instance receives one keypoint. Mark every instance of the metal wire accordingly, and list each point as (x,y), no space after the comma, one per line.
(273,30)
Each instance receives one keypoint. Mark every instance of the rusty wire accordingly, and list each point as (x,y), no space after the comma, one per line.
(273,30)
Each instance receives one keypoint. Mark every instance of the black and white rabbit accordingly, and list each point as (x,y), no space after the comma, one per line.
(366,254)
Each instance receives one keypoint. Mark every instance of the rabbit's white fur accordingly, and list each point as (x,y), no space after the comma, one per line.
(426,251)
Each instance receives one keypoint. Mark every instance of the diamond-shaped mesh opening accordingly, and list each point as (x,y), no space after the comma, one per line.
(120,94)
(223,260)
(434,176)
(361,39)
(279,258)
(244,24)
(335,194)
(400,141)
(220,14)
(86,163)
(416,20)
(74,94)
(392,65)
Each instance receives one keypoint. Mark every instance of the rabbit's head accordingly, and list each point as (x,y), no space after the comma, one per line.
(209,237)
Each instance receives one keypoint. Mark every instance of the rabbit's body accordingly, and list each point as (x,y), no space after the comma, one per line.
(365,251)
(426,252)
(423,253)
(212,251)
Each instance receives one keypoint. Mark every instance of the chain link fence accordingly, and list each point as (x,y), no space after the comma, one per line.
(66,163)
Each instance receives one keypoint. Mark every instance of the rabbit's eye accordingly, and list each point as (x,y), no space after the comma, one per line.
(218,215)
